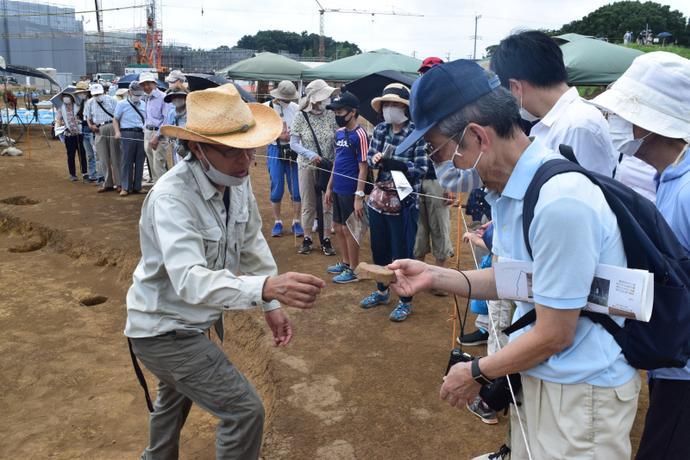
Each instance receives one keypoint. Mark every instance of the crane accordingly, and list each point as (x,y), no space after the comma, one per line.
(323,10)
(152,52)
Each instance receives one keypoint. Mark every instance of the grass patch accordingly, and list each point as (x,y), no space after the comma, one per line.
(679,50)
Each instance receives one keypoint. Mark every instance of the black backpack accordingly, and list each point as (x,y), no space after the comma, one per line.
(650,244)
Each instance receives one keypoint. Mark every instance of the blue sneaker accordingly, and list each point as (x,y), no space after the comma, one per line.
(297,229)
(277,230)
(100,181)
(375,299)
(73,177)
(338,268)
(347,276)
(400,313)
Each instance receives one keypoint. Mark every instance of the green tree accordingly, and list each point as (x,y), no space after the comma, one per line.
(304,44)
(612,21)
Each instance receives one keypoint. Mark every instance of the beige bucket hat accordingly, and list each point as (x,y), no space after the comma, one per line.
(220,116)
(285,90)
(395,92)
(316,91)
(82,87)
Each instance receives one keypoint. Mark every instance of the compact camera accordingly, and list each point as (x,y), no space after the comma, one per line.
(458,356)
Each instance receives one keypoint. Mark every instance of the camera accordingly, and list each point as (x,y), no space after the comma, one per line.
(458,356)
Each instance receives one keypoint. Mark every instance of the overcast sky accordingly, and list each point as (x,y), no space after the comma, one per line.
(446,25)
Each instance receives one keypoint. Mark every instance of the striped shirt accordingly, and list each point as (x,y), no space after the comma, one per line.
(156,109)
(93,112)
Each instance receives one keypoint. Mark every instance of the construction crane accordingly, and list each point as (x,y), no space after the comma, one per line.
(99,18)
(323,10)
(152,52)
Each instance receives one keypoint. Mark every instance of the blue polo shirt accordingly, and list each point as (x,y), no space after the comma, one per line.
(127,116)
(346,161)
(573,231)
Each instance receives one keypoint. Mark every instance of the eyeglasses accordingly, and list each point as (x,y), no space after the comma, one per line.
(233,152)
(430,151)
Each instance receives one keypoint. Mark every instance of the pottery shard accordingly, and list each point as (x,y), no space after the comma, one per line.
(384,275)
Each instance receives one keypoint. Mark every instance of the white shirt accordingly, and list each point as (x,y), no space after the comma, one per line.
(639,176)
(581,126)
(287,115)
(187,275)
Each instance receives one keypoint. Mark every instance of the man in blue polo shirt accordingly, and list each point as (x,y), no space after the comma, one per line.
(128,121)
(578,391)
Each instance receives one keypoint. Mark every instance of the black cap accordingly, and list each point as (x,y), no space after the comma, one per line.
(344,100)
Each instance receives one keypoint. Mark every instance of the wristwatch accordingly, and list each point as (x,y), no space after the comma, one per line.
(359,193)
(477,374)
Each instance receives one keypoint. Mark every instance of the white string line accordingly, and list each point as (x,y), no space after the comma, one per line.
(315,167)
(494,329)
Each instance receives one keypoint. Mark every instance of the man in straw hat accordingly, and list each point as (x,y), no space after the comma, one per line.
(199,225)
(649,107)
(579,392)
(280,168)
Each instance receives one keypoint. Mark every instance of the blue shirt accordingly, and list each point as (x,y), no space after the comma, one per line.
(127,116)
(347,162)
(573,231)
(673,202)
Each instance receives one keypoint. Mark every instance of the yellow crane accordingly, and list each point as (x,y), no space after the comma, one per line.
(323,10)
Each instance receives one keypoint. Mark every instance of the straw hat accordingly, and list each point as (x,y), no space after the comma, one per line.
(654,94)
(395,92)
(285,90)
(82,87)
(175,90)
(219,116)
(315,92)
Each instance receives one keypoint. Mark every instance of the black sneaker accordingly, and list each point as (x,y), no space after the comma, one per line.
(476,338)
(306,246)
(327,248)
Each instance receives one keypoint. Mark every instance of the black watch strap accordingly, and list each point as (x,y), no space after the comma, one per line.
(477,374)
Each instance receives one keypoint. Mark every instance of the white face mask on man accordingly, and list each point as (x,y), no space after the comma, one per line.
(622,136)
(218,177)
(135,98)
(98,97)
(394,115)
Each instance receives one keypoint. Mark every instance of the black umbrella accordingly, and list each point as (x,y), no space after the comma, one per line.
(371,86)
(199,81)
(127,79)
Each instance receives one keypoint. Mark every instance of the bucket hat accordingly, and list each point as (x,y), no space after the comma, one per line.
(82,87)
(175,75)
(175,90)
(316,91)
(220,116)
(443,90)
(654,94)
(395,92)
(96,89)
(285,90)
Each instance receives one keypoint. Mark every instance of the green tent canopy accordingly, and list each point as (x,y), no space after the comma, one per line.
(592,62)
(264,66)
(361,65)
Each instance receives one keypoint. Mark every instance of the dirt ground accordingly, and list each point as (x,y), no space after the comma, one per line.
(351,385)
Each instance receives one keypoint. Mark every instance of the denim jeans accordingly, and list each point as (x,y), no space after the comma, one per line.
(90,155)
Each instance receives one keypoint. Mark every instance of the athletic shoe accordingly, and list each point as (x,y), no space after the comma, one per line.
(88,180)
(483,411)
(315,227)
(306,246)
(326,247)
(100,181)
(476,338)
(339,267)
(73,177)
(347,276)
(277,230)
(401,312)
(502,454)
(297,229)
(375,299)
(332,231)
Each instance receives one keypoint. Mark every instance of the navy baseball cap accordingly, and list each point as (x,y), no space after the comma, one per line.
(344,100)
(443,90)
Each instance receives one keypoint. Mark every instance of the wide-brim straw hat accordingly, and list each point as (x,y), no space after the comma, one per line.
(82,87)
(395,92)
(316,91)
(220,116)
(176,90)
(285,90)
(654,94)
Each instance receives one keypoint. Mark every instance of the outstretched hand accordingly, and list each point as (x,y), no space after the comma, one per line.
(413,276)
(293,289)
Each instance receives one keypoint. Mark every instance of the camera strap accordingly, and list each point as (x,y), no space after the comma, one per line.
(467,307)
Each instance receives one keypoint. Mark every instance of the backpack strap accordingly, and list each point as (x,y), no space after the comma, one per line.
(568,152)
(531,316)
(316,140)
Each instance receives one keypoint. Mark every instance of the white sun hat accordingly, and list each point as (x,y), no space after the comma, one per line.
(654,94)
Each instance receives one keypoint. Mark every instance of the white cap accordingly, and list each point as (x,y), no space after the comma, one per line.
(175,75)
(96,89)
(146,76)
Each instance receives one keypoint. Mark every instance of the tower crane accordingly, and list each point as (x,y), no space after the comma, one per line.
(323,10)
(152,52)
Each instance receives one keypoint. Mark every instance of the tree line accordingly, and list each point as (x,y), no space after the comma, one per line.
(304,44)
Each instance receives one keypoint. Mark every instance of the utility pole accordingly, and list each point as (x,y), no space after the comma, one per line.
(476,20)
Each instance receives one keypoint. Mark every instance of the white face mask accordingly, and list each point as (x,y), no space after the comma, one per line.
(525,115)
(218,177)
(99,97)
(136,98)
(318,108)
(394,115)
(284,104)
(622,136)
(178,102)
(67,100)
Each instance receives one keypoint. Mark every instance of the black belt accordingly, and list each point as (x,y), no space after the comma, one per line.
(138,130)
(105,123)
(152,128)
